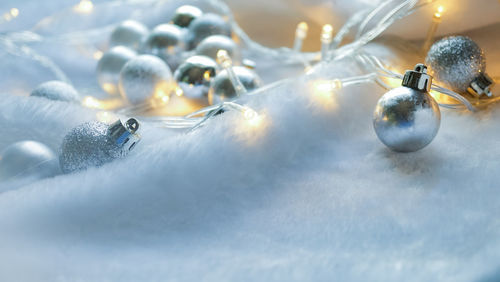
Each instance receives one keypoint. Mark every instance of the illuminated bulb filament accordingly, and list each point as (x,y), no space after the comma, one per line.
(84,7)
(225,61)
(326,40)
(14,12)
(300,35)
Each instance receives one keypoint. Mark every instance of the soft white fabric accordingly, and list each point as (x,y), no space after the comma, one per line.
(311,195)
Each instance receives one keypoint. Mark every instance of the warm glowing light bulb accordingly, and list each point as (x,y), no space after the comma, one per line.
(179,92)
(439,12)
(91,102)
(14,12)
(84,7)
(326,34)
(97,55)
(327,87)
(252,117)
(223,59)
(301,31)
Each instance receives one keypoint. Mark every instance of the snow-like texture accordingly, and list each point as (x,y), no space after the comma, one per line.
(310,195)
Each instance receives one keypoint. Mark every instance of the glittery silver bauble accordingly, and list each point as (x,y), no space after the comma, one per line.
(95,143)
(212,44)
(145,77)
(194,76)
(184,15)
(56,90)
(206,25)
(167,42)
(223,90)
(110,65)
(28,159)
(456,61)
(407,118)
(129,33)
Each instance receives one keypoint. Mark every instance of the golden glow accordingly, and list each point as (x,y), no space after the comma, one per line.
(14,12)
(179,92)
(91,102)
(327,33)
(324,93)
(223,59)
(252,117)
(84,7)
(7,17)
(106,117)
(301,31)
(110,88)
(207,76)
(97,55)
(439,12)
(94,103)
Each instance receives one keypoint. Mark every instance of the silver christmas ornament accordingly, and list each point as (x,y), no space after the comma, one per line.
(110,65)
(56,90)
(212,44)
(460,63)
(95,143)
(184,15)
(222,88)
(194,76)
(167,42)
(129,33)
(407,118)
(28,159)
(145,77)
(206,25)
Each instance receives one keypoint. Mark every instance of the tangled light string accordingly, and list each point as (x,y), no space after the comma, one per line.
(16,44)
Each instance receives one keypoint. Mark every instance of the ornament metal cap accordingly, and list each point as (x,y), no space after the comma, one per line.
(481,85)
(124,135)
(418,78)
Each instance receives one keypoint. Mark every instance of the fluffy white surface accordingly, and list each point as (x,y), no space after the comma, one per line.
(312,195)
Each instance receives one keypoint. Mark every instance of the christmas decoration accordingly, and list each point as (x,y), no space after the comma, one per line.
(206,25)
(56,90)
(407,118)
(222,88)
(184,15)
(194,75)
(28,159)
(110,65)
(129,34)
(166,42)
(95,143)
(212,44)
(145,77)
(460,63)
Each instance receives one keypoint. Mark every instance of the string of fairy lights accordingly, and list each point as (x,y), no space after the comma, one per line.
(240,80)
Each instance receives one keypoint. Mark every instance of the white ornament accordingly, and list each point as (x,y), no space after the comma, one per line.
(145,77)
(56,90)
(28,159)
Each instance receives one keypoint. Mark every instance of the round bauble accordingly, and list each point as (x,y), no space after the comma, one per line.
(206,25)
(56,90)
(407,118)
(129,34)
(458,62)
(184,15)
(110,65)
(28,159)
(222,89)
(94,143)
(145,77)
(166,41)
(194,76)
(212,44)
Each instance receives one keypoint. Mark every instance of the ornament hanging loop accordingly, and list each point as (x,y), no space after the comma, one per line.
(418,78)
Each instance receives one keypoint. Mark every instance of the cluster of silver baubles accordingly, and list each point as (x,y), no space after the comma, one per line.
(186,49)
